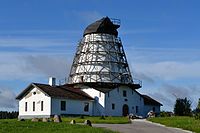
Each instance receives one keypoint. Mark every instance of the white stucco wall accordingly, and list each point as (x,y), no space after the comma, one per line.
(116,97)
(37,98)
(99,103)
(73,107)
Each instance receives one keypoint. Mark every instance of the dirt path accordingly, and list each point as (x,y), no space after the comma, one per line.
(141,126)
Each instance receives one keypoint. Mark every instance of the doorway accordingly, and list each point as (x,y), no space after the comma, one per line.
(125,110)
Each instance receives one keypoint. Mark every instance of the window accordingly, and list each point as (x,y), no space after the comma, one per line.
(108,94)
(33,106)
(124,93)
(136,108)
(63,105)
(86,107)
(113,106)
(154,109)
(81,78)
(99,94)
(25,106)
(42,105)
(118,90)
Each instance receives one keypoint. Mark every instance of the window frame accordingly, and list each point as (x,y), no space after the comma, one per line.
(34,106)
(124,93)
(86,107)
(154,109)
(26,106)
(113,106)
(63,105)
(136,109)
(42,105)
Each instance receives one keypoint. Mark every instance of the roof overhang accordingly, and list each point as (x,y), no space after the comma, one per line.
(103,86)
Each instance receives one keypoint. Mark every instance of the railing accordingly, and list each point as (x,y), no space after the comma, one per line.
(137,81)
(115,21)
(118,40)
(103,38)
(62,81)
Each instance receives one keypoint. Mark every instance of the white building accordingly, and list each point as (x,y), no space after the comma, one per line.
(100,82)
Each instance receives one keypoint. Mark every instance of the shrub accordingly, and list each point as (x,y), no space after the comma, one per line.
(82,117)
(102,118)
(165,114)
(197,116)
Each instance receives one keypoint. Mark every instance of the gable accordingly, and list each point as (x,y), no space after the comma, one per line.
(30,91)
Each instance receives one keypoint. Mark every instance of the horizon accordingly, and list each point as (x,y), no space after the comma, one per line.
(160,39)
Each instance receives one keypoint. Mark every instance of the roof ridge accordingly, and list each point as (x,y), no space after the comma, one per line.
(85,94)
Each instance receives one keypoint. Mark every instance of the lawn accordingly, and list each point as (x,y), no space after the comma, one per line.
(107,120)
(14,126)
(187,123)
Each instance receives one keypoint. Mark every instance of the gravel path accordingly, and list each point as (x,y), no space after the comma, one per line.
(141,126)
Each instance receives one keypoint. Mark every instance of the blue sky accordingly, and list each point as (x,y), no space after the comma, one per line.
(161,40)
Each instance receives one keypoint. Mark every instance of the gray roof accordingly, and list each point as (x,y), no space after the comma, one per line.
(104,25)
(150,101)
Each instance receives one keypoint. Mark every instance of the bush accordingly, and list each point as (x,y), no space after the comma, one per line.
(165,114)
(102,118)
(8,115)
(197,116)
(82,117)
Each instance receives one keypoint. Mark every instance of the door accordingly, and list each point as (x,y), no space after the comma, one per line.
(125,110)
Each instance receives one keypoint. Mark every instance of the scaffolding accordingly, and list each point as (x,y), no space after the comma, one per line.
(100,60)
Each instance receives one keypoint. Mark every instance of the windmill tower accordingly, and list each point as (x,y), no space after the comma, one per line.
(100,60)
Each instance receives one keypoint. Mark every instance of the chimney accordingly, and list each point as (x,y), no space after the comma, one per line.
(52,81)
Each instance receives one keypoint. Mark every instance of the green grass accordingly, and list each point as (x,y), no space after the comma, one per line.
(187,123)
(107,120)
(14,126)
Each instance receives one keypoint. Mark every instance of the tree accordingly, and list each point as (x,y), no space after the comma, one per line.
(182,107)
(198,107)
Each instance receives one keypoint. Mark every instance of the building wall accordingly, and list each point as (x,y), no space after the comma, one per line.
(148,108)
(101,106)
(116,97)
(99,103)
(73,107)
(35,95)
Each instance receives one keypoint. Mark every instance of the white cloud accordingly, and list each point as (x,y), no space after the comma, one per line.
(88,16)
(167,73)
(48,65)
(168,64)
(169,70)
(7,100)
(154,55)
(30,67)
(167,94)
(31,42)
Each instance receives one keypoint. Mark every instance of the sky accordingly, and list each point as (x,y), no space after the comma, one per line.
(38,39)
